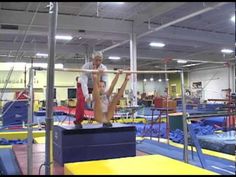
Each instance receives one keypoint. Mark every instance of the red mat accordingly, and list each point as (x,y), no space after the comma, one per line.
(71,111)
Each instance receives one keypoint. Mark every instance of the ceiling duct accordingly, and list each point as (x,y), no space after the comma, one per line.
(11,27)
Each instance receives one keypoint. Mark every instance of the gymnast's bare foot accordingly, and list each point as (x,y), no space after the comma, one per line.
(107,125)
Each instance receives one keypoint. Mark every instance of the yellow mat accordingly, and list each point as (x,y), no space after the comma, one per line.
(5,146)
(139,165)
(39,140)
(20,134)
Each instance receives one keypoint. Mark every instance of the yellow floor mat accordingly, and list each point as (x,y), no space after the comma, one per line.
(139,165)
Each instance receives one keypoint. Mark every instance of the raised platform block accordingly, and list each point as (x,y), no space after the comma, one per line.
(93,142)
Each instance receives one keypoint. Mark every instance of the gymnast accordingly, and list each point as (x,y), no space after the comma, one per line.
(104,106)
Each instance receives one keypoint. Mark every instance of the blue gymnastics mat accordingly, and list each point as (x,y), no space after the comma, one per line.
(8,162)
(218,165)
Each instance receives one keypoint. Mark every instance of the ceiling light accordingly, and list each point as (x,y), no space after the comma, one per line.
(64,37)
(233,19)
(144,80)
(167,79)
(156,44)
(227,51)
(194,64)
(181,61)
(151,79)
(159,80)
(80,37)
(114,58)
(41,54)
(119,3)
(7,55)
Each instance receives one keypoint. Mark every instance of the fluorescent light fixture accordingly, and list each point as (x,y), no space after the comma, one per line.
(41,54)
(227,51)
(144,80)
(181,61)
(59,66)
(7,55)
(151,79)
(114,58)
(64,37)
(233,18)
(156,44)
(159,80)
(119,3)
(194,64)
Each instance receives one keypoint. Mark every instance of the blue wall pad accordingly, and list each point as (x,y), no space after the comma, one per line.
(199,128)
(93,142)
(43,113)
(58,118)
(216,164)
(220,121)
(148,131)
(8,162)
(223,142)
(4,141)
(14,113)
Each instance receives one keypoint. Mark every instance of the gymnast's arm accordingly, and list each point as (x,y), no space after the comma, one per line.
(113,83)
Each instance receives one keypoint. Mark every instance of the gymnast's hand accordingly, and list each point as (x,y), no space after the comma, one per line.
(127,77)
(119,71)
(100,70)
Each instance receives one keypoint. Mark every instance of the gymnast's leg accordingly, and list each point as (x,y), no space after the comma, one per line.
(98,114)
(116,98)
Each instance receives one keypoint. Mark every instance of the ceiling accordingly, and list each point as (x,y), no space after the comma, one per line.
(97,26)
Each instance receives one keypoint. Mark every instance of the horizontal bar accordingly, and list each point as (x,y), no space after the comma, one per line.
(218,99)
(209,115)
(109,71)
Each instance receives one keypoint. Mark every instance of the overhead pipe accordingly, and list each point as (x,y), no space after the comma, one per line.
(168,24)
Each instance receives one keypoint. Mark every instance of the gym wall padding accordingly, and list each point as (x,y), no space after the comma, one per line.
(14,113)
(8,162)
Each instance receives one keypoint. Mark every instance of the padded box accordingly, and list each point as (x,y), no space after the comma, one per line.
(93,142)
(15,112)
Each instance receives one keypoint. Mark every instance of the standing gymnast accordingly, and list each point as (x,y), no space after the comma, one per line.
(105,106)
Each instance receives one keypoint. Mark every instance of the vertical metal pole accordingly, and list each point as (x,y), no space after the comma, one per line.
(29,124)
(86,56)
(133,66)
(185,129)
(233,78)
(53,12)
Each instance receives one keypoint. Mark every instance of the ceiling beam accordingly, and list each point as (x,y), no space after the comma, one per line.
(40,47)
(66,22)
(217,5)
(74,33)
(156,10)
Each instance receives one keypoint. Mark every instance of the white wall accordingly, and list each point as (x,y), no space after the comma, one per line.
(64,80)
(213,81)
(151,86)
